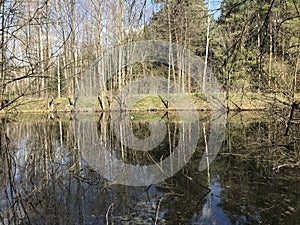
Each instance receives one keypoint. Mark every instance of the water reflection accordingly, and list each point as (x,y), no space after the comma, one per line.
(212,213)
(113,150)
(46,178)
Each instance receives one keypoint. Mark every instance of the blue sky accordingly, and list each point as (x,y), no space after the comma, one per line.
(214,6)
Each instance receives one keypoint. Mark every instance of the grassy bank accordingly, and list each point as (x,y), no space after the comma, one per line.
(247,102)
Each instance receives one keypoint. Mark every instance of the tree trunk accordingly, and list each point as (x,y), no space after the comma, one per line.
(206,49)
(271,52)
(58,79)
(258,52)
(3,53)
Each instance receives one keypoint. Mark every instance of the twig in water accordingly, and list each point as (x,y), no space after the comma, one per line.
(111,206)
(157,210)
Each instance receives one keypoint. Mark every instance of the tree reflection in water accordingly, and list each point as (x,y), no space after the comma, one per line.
(44,179)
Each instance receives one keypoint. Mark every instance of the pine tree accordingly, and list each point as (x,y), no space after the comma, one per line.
(183,23)
(257,39)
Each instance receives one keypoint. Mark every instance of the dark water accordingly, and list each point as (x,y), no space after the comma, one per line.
(63,171)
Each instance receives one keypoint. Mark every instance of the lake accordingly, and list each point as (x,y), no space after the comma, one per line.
(149,168)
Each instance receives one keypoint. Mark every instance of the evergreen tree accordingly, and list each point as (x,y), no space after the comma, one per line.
(184,23)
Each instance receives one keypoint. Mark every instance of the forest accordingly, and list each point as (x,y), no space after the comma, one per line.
(47,46)
(237,166)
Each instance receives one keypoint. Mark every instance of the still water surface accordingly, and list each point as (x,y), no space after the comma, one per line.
(51,173)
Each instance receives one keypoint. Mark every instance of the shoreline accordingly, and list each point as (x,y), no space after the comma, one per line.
(247,103)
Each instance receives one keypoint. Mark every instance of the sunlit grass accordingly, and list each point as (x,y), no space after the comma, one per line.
(237,101)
